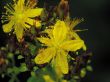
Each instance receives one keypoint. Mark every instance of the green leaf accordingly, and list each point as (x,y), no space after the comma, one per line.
(32,79)
(76,77)
(17,52)
(23,67)
(11,80)
(73,80)
(33,31)
(51,72)
(10,55)
(20,57)
(32,48)
(16,70)
(9,70)
(2,75)
(89,61)
(35,68)
(35,79)
(83,72)
(7,61)
(3,48)
(89,68)
(33,73)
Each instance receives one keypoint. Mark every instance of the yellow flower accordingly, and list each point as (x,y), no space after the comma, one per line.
(58,45)
(20,17)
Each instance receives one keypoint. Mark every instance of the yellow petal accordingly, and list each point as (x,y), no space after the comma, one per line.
(76,36)
(45,56)
(29,21)
(72,45)
(19,6)
(61,61)
(19,31)
(84,47)
(34,12)
(45,41)
(7,27)
(27,26)
(59,31)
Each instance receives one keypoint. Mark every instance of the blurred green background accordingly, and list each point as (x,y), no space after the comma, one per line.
(97,20)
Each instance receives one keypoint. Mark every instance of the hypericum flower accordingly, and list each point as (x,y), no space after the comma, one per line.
(58,45)
(20,16)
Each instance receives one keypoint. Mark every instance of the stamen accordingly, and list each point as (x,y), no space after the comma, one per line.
(31,4)
(9,9)
(11,6)
(80,30)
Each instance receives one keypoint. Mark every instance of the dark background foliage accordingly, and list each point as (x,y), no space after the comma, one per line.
(97,20)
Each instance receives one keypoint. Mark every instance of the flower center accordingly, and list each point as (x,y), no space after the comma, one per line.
(56,45)
(19,17)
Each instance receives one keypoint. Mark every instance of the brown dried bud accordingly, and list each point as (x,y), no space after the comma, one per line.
(2,61)
(63,8)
